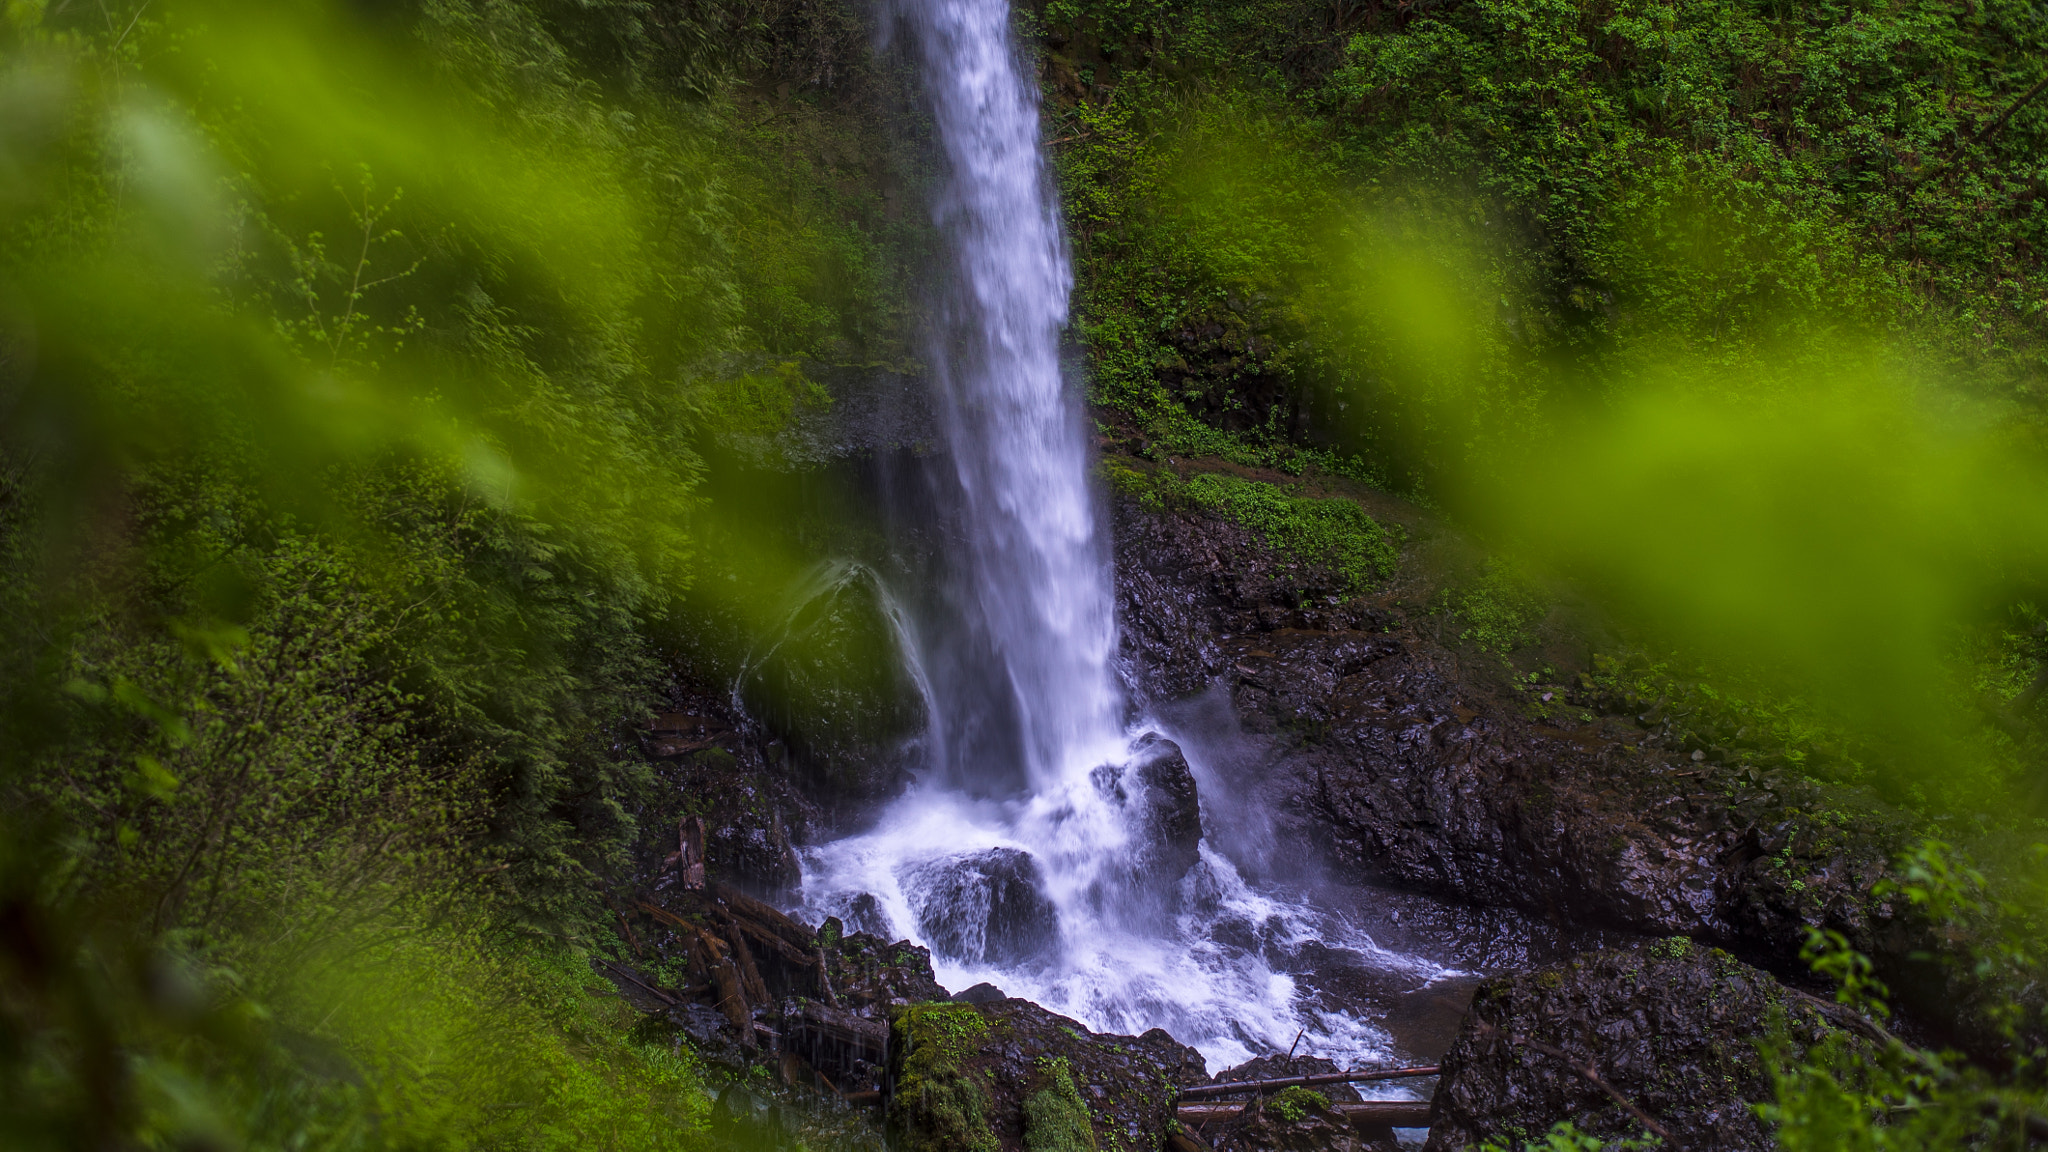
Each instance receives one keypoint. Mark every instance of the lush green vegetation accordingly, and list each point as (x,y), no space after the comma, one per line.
(355,366)
(360,363)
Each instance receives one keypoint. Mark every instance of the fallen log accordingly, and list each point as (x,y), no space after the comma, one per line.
(766,916)
(1227,1087)
(1392,1113)
(750,975)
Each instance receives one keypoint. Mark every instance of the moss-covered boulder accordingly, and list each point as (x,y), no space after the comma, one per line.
(1008,1076)
(1673,1028)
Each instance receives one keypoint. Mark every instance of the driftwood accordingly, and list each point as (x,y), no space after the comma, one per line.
(750,975)
(1392,1113)
(830,997)
(766,918)
(868,1038)
(1227,1087)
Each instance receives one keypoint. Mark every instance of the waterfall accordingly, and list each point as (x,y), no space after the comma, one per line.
(1037,573)
(1050,849)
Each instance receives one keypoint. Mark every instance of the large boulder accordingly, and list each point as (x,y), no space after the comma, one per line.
(986,907)
(1156,791)
(1009,1075)
(834,690)
(1672,1028)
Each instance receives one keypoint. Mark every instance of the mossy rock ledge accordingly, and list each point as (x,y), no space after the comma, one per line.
(1674,1028)
(1008,1075)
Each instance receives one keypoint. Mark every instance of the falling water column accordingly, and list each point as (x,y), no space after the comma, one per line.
(1038,573)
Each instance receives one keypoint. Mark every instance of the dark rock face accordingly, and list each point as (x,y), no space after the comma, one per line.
(983,907)
(1674,1033)
(746,838)
(833,688)
(1010,1075)
(871,975)
(1417,773)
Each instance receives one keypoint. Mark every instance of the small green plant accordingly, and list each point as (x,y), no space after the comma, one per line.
(1672,947)
(1496,612)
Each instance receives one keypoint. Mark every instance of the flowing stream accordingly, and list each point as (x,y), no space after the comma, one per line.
(1037,850)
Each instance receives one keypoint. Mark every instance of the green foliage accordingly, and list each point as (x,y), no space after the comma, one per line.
(1849,1095)
(355,363)
(1331,532)
(1055,1117)
(1496,611)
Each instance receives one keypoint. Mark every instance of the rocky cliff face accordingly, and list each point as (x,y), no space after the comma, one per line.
(1418,766)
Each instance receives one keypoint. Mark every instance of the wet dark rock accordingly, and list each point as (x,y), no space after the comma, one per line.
(1157,790)
(1172,807)
(1416,769)
(982,993)
(1010,1075)
(984,907)
(832,687)
(864,913)
(747,838)
(1296,1120)
(1673,1028)
(871,975)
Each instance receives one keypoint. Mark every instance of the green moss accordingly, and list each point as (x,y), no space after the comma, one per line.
(1055,1118)
(1296,1103)
(1331,532)
(949,1103)
(1673,947)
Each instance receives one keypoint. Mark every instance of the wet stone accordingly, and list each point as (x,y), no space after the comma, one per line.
(983,907)
(1672,1027)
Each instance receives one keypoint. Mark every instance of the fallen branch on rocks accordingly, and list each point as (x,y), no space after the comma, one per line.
(1392,1113)
(1227,1087)
(1592,1076)
(651,990)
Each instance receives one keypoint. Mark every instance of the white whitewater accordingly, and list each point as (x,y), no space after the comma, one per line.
(1037,578)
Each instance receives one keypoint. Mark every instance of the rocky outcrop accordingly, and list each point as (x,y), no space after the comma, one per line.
(1673,1030)
(1422,770)
(1162,807)
(747,814)
(1010,1075)
(983,908)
